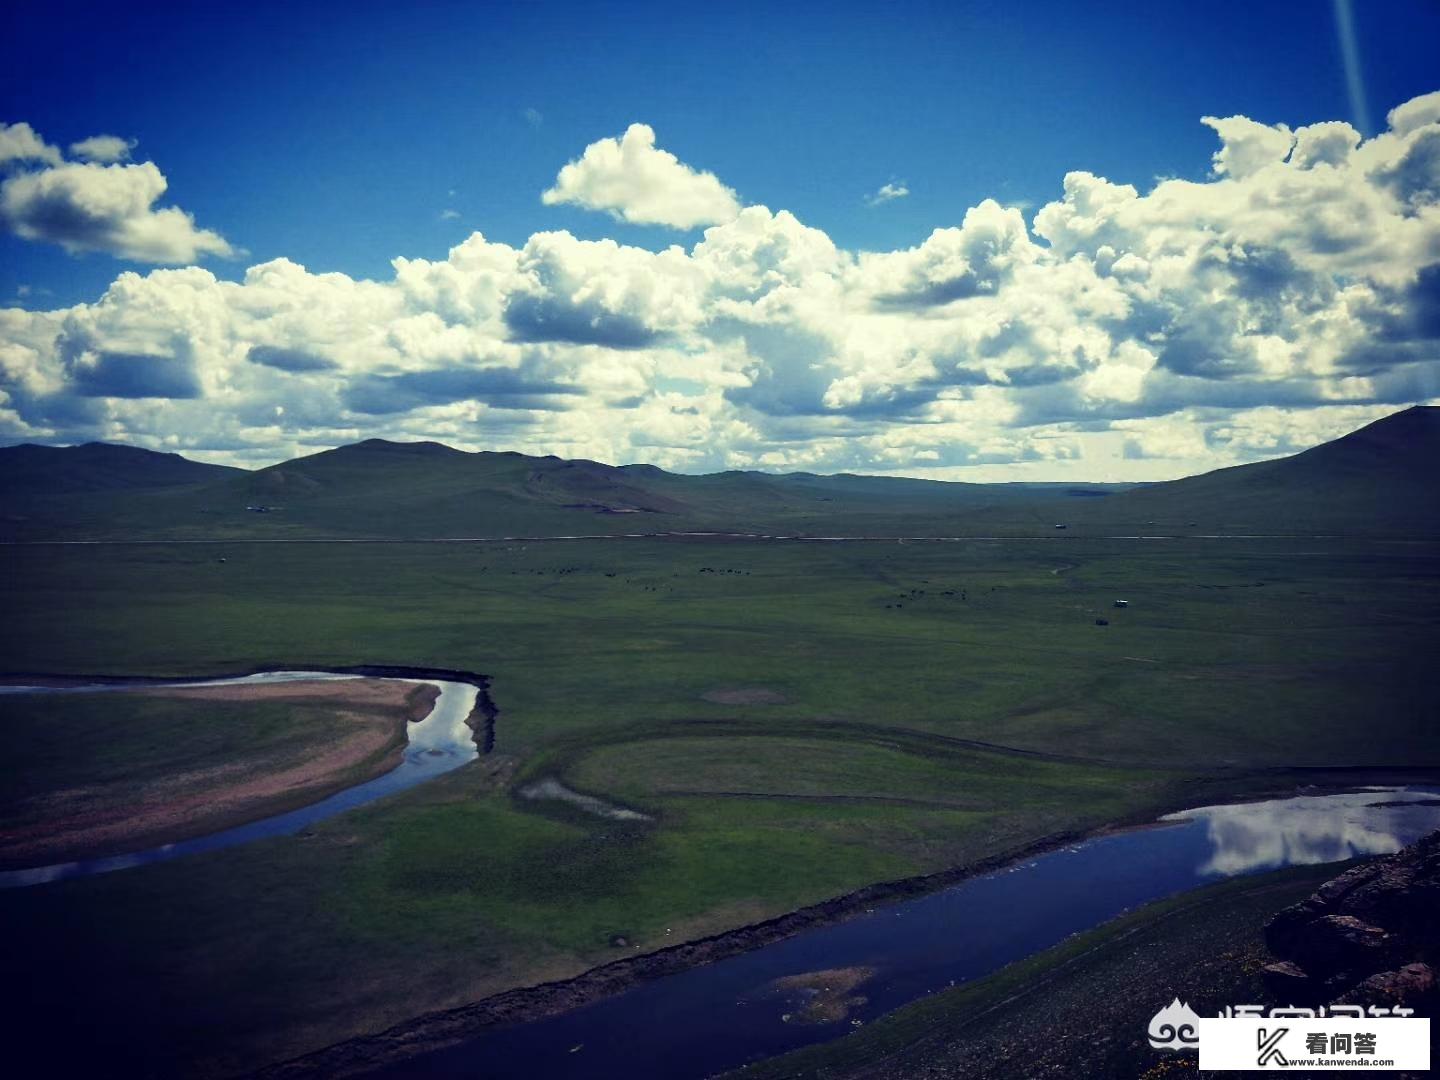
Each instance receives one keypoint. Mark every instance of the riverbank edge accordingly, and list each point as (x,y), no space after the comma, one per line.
(481,721)
(447,1027)
(883,1047)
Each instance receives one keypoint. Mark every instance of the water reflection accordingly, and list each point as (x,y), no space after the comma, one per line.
(703,1021)
(1308,830)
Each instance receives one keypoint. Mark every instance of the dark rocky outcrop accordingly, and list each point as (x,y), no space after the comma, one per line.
(1288,981)
(1412,983)
(1368,937)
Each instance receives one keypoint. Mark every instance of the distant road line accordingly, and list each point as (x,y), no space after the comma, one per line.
(711,535)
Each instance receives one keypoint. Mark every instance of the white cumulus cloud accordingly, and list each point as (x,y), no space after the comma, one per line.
(637,182)
(1115,333)
(110,208)
(889,192)
(20,142)
(105,149)
(1248,146)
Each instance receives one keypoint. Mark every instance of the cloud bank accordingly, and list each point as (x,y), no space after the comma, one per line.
(1290,297)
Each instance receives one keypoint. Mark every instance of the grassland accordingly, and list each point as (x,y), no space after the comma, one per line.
(928,705)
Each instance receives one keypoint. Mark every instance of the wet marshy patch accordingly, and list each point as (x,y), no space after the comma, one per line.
(552,790)
(823,997)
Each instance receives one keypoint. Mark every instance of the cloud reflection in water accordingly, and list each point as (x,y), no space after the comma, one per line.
(1247,837)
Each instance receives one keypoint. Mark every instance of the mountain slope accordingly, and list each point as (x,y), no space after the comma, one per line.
(31,470)
(1383,478)
(406,489)
(1380,480)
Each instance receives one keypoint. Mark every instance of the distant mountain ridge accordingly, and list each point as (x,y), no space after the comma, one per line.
(1381,479)
(1386,473)
(32,469)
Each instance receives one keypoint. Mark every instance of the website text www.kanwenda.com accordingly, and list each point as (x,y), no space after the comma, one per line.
(1349,1063)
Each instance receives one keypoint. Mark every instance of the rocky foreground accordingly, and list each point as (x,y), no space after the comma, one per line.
(1369,937)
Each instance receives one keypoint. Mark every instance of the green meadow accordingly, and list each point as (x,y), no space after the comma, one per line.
(795,719)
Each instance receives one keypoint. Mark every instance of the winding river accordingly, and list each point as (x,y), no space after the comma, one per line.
(440,742)
(709,1019)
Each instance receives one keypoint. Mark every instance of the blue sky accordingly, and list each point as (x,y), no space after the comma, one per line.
(333,133)
(343,136)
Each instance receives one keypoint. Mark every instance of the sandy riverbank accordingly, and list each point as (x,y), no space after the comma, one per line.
(90,822)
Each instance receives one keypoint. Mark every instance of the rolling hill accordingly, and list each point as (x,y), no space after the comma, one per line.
(1379,480)
(1382,479)
(29,470)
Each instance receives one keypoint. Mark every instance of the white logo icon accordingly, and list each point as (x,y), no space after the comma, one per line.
(1175,1027)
